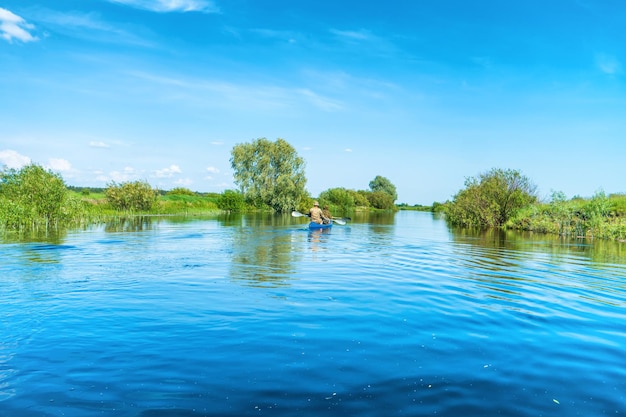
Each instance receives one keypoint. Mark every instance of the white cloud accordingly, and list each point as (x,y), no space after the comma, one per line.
(348,150)
(203,6)
(213,170)
(126,175)
(608,64)
(13,159)
(184,182)
(14,27)
(58,164)
(217,143)
(168,172)
(98,144)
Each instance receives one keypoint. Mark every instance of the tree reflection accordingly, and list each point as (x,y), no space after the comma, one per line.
(598,251)
(129,224)
(263,252)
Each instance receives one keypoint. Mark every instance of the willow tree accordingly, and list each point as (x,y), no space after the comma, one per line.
(269,173)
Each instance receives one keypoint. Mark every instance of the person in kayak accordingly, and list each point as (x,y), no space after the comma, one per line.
(326,214)
(317,216)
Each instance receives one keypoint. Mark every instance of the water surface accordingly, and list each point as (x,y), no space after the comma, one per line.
(391,315)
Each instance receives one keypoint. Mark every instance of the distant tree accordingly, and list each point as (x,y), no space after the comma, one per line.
(491,199)
(383,184)
(136,195)
(381,200)
(269,173)
(360,197)
(180,191)
(339,197)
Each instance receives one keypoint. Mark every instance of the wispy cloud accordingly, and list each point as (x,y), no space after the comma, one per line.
(13,159)
(608,64)
(264,97)
(168,172)
(13,27)
(352,35)
(86,26)
(98,144)
(217,143)
(164,6)
(319,101)
(347,150)
(213,170)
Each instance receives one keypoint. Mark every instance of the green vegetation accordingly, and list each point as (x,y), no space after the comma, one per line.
(231,200)
(34,198)
(380,196)
(600,217)
(491,199)
(383,185)
(131,196)
(506,199)
(269,174)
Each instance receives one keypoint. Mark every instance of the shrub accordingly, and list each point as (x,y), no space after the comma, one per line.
(230,200)
(381,200)
(339,197)
(492,199)
(32,197)
(180,191)
(131,196)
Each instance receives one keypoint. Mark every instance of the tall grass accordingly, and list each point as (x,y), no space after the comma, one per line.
(600,217)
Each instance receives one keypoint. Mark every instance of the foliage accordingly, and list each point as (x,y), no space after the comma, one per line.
(31,197)
(180,191)
(492,199)
(597,217)
(131,196)
(360,198)
(231,200)
(269,173)
(381,200)
(338,197)
(384,185)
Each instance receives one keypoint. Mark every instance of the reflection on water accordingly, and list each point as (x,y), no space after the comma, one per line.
(130,224)
(600,251)
(262,249)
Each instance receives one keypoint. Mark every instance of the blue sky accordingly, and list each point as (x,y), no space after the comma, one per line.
(423,92)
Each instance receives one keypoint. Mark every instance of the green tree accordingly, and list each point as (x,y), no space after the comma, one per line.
(136,195)
(32,195)
(269,173)
(491,199)
(384,185)
(380,200)
(339,197)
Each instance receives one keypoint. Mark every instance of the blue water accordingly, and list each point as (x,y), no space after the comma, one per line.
(391,315)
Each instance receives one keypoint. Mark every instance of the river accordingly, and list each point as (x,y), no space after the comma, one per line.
(389,315)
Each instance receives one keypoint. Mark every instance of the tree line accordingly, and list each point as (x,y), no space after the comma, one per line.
(270,176)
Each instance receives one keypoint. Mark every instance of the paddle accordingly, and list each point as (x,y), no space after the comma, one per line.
(336,220)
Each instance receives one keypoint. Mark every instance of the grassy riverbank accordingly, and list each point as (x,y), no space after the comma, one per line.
(599,217)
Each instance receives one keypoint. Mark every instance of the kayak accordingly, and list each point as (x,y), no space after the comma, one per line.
(314,225)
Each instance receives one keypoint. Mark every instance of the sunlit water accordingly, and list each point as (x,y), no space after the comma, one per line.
(386,316)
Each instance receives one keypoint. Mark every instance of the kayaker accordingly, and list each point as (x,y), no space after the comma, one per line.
(317,216)
(326,214)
